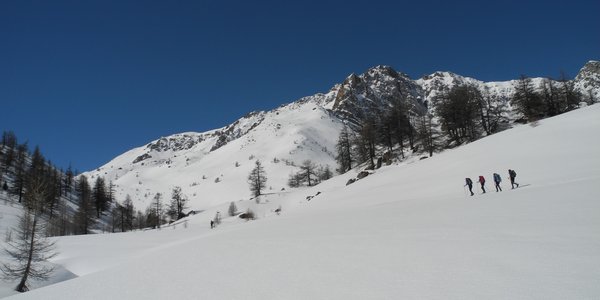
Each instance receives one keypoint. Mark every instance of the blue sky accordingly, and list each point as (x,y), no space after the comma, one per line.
(89,80)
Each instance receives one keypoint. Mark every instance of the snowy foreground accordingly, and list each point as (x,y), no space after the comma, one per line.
(406,232)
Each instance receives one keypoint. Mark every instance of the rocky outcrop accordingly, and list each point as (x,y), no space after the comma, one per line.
(373,92)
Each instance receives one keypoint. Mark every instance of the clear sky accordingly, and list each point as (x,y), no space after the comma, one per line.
(89,80)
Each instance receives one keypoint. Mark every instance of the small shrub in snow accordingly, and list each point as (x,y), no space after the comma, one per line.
(232,209)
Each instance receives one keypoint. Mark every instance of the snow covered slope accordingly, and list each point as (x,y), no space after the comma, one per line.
(212,167)
(406,232)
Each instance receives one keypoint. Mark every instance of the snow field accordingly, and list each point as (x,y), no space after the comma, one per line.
(406,232)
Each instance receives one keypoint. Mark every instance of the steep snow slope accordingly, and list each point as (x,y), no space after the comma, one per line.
(282,139)
(407,232)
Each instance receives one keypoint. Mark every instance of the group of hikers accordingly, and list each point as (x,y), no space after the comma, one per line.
(497,179)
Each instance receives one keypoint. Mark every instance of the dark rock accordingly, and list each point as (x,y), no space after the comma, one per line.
(363,174)
(141,158)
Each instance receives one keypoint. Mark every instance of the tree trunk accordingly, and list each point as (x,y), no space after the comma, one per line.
(22,287)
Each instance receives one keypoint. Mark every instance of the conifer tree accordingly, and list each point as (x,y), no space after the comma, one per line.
(128,214)
(344,151)
(428,134)
(84,217)
(30,249)
(571,97)
(366,142)
(155,211)
(527,101)
(20,172)
(457,110)
(100,196)
(178,204)
(308,173)
(257,179)
(232,210)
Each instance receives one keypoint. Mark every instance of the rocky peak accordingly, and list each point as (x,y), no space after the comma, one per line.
(360,96)
(591,68)
(587,81)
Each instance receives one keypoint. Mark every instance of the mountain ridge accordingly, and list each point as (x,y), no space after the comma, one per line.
(291,133)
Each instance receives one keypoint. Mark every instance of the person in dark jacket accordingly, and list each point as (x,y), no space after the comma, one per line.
(482,181)
(512,174)
(497,181)
(469,183)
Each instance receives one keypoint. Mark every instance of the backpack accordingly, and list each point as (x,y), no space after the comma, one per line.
(469,182)
(497,177)
(481,179)
(512,173)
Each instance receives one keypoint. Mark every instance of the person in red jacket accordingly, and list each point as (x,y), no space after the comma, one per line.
(482,181)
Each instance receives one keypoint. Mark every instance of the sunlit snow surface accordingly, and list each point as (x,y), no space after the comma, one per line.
(407,232)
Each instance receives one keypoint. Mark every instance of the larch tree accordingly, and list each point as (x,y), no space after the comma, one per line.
(308,172)
(257,179)
(84,216)
(30,249)
(178,204)
(528,102)
(155,211)
(344,151)
(100,196)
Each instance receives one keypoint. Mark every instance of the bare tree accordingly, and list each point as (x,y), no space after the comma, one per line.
(308,172)
(157,209)
(84,217)
(527,101)
(428,134)
(257,179)
(30,249)
(344,151)
(178,204)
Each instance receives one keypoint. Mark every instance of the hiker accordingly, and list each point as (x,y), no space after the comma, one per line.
(470,185)
(497,180)
(482,181)
(512,174)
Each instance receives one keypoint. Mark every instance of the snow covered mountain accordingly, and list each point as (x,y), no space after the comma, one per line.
(409,231)
(212,167)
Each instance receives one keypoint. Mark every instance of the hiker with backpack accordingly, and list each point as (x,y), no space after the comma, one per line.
(512,174)
(470,185)
(497,180)
(482,181)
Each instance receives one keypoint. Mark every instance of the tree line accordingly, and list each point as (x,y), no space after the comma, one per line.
(72,203)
